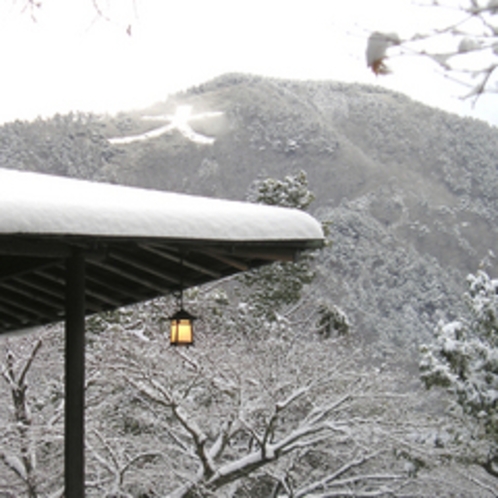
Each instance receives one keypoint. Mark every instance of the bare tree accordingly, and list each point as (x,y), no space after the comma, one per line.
(103,11)
(465,48)
(268,409)
(24,466)
(30,439)
(239,407)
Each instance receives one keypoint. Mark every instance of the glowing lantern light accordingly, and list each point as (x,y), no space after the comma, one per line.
(182,328)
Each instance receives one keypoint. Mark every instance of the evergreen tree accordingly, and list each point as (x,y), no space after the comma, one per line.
(280,284)
(464,359)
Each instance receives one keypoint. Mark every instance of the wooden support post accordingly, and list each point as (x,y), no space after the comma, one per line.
(74,445)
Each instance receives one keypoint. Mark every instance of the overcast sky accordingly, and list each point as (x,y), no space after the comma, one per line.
(69,58)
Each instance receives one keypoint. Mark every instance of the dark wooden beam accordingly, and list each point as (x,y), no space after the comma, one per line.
(17,287)
(74,441)
(51,277)
(25,247)
(287,255)
(113,287)
(139,265)
(254,252)
(12,267)
(162,253)
(12,317)
(56,292)
(128,275)
(230,261)
(28,308)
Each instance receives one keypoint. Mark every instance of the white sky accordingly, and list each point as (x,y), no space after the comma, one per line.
(70,59)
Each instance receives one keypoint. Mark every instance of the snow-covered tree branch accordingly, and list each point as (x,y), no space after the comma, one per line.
(260,422)
(464,48)
(23,464)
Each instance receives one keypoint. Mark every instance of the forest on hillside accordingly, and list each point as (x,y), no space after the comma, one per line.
(304,380)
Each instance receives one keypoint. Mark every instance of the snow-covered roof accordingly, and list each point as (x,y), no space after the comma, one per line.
(32,203)
(137,243)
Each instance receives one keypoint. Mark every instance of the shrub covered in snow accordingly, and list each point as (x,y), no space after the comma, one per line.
(464,357)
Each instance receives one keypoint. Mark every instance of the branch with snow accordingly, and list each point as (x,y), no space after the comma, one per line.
(24,465)
(115,465)
(159,394)
(273,442)
(470,61)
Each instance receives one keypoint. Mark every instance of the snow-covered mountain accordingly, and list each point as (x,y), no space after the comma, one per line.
(410,191)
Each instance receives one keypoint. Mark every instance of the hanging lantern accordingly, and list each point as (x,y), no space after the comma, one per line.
(182,326)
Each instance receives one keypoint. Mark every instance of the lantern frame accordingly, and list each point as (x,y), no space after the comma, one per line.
(182,326)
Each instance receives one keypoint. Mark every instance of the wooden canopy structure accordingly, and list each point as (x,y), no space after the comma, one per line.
(69,248)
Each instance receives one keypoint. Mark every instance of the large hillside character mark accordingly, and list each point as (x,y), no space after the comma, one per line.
(178,121)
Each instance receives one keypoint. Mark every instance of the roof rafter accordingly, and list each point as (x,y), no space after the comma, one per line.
(130,276)
(151,270)
(37,297)
(181,259)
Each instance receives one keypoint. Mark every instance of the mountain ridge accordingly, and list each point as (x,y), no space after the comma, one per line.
(410,191)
